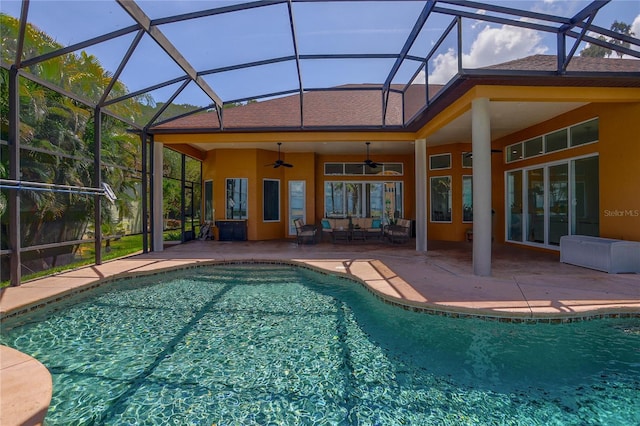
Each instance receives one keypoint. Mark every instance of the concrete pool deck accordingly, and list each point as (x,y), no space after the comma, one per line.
(525,285)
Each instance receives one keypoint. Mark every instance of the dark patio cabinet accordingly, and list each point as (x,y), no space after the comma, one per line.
(232,230)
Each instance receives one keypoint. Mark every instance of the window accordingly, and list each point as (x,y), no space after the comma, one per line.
(439,161)
(354,168)
(533,147)
(271,200)
(514,205)
(441,199)
(333,168)
(363,199)
(556,141)
(334,199)
(514,152)
(585,182)
(393,169)
(575,135)
(208,200)
(375,195)
(584,133)
(467,160)
(467,199)
(393,201)
(236,203)
(359,169)
(297,203)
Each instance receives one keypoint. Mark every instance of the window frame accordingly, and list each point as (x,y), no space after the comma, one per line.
(265,198)
(432,156)
(470,178)
(450,200)
(569,139)
(246,199)
(210,208)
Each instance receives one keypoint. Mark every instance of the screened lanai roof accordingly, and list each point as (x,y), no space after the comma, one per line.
(182,59)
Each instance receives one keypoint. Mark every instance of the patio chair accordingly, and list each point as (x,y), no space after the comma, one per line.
(305,233)
(400,232)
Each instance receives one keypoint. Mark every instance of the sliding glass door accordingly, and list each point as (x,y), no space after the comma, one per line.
(558,203)
(535,205)
(558,198)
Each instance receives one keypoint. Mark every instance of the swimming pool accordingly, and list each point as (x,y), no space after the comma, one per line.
(271,344)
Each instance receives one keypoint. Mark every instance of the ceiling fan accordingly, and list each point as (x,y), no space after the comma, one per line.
(369,162)
(470,154)
(279,162)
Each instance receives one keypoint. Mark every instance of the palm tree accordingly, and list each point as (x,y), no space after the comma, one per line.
(60,131)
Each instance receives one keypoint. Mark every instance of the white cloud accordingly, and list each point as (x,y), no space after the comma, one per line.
(492,46)
(635,27)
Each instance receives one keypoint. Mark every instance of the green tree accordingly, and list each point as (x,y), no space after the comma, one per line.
(622,28)
(57,133)
(595,51)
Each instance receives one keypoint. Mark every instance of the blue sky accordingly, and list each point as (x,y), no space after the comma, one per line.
(263,33)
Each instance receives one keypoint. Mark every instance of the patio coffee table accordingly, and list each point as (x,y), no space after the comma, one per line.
(340,235)
(358,234)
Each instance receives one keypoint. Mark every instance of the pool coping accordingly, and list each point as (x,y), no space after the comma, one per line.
(378,286)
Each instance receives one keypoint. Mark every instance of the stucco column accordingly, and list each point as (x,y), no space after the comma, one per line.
(481,150)
(420,149)
(158,211)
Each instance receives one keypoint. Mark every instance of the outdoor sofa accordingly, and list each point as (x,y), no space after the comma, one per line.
(352,229)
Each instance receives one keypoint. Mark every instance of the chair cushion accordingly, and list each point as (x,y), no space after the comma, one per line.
(326,224)
(375,223)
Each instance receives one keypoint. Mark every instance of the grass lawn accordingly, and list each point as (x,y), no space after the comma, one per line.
(86,256)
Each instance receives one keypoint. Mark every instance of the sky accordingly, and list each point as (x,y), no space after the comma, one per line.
(264,33)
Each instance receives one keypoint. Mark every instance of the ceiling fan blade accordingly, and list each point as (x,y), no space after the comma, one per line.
(369,162)
(287,165)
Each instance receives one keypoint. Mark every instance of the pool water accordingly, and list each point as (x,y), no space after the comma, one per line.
(269,344)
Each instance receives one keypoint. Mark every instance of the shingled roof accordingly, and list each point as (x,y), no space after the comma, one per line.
(360,106)
(577,64)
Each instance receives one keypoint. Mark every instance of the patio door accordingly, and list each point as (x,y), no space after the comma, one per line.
(557,199)
(297,203)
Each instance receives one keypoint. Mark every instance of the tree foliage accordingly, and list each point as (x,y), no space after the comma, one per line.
(595,51)
(57,136)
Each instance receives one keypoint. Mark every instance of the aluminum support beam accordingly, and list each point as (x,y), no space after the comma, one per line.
(183,195)
(15,236)
(482,217)
(420,149)
(157,228)
(145,191)
(143,20)
(294,39)
(97,172)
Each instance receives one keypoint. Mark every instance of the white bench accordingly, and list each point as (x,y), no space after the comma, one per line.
(602,254)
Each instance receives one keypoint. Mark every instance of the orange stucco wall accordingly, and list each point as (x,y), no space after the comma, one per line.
(620,171)
(619,164)
(220,164)
(455,230)
(252,164)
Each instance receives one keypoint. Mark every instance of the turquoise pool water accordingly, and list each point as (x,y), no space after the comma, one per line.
(279,345)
